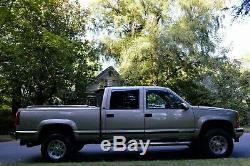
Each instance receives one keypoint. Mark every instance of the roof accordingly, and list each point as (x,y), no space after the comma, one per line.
(110,68)
(136,87)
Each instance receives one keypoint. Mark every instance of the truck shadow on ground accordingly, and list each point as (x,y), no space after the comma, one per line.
(93,153)
(153,153)
(11,152)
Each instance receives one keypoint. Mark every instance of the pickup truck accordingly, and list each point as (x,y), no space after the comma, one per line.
(140,112)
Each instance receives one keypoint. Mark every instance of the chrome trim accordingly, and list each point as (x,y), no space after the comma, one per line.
(136,131)
(218,144)
(87,131)
(165,143)
(122,131)
(150,131)
(170,131)
(238,132)
(56,149)
(169,143)
(26,132)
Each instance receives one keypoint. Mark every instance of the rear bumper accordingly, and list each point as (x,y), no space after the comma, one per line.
(25,138)
(238,132)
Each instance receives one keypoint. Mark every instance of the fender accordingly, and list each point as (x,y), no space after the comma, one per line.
(209,118)
(67,122)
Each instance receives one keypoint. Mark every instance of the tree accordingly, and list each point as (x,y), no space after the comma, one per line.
(44,56)
(230,87)
(154,44)
(173,44)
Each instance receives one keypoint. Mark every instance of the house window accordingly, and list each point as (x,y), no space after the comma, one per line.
(110,73)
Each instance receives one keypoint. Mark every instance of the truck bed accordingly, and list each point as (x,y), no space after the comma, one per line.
(84,120)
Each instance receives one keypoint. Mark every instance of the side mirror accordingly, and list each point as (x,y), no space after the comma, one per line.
(184,106)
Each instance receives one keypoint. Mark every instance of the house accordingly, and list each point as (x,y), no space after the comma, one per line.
(94,91)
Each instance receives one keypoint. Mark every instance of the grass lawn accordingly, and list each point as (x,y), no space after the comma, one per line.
(5,138)
(196,162)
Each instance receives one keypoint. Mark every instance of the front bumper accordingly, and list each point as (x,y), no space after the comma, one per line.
(238,132)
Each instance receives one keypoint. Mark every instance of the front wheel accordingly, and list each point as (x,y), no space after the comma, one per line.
(56,148)
(217,143)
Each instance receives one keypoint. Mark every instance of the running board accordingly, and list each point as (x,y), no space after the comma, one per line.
(168,143)
(165,143)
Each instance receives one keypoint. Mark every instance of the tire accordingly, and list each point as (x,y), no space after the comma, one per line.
(56,148)
(217,143)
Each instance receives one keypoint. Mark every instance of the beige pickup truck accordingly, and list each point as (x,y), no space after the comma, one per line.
(145,112)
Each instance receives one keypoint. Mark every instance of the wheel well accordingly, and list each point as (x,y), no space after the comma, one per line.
(217,124)
(63,129)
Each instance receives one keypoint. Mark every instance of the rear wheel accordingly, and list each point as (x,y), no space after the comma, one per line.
(56,148)
(217,143)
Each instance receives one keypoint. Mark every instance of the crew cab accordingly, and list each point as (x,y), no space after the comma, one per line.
(140,112)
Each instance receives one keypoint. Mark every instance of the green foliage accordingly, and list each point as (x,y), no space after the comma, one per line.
(154,44)
(44,57)
(230,87)
(6,120)
(172,44)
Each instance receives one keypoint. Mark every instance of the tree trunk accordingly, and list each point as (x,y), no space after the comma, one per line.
(16,99)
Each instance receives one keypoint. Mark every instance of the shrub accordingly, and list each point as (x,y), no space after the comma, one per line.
(6,119)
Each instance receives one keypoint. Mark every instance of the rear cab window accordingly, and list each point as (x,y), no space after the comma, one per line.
(124,99)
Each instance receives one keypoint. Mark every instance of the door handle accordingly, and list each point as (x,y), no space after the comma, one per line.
(110,115)
(148,115)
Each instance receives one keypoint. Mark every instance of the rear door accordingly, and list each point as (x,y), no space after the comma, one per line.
(124,114)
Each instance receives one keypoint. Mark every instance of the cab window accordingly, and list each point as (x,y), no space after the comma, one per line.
(128,99)
(158,99)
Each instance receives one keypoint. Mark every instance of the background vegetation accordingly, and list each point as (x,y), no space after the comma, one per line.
(47,58)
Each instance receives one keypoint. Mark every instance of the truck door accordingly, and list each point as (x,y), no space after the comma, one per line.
(165,119)
(124,114)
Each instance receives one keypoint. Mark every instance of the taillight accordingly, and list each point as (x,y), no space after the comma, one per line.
(17,120)
(237,120)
